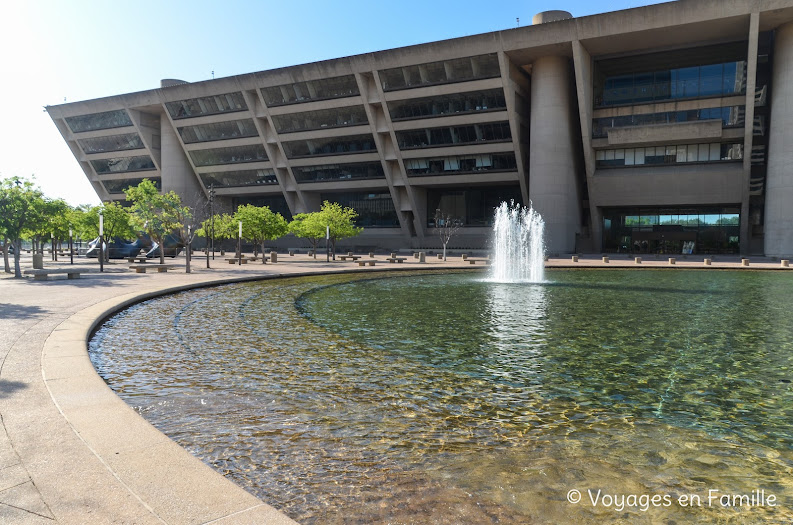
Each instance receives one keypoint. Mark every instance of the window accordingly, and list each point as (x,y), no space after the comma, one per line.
(487,132)
(329,172)
(460,164)
(325,118)
(454,70)
(731,117)
(196,107)
(121,185)
(711,152)
(227,179)
(374,209)
(329,146)
(123,164)
(234,155)
(111,143)
(233,129)
(489,100)
(473,206)
(105,120)
(326,88)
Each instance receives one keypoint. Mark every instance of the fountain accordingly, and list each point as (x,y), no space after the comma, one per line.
(518,246)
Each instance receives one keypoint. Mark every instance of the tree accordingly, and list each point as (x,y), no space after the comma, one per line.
(116,222)
(446,227)
(340,221)
(155,213)
(21,208)
(308,226)
(225,227)
(260,224)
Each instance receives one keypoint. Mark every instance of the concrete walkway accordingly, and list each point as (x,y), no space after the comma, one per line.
(73,452)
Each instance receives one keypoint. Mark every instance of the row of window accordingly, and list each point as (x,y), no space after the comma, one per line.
(688,82)
(233,155)
(731,117)
(228,179)
(324,118)
(374,209)
(422,138)
(446,71)
(329,172)
(461,164)
(212,105)
(111,143)
(233,129)
(329,146)
(447,104)
(121,185)
(669,154)
(95,121)
(123,164)
(471,207)
(324,88)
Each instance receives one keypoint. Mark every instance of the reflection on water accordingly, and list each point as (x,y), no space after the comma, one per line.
(444,399)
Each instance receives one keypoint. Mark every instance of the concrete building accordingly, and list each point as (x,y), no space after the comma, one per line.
(660,129)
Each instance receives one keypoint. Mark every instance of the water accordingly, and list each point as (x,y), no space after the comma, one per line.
(518,246)
(446,399)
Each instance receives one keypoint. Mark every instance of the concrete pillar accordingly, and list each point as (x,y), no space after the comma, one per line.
(177,175)
(779,178)
(552,179)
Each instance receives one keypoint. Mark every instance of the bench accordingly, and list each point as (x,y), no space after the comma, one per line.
(352,257)
(141,268)
(141,260)
(364,262)
(235,260)
(474,260)
(41,275)
(396,259)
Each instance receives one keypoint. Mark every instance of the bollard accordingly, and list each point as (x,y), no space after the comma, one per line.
(605,259)
(393,254)
(38,261)
(371,255)
(416,255)
(637,260)
(744,262)
(575,258)
(706,262)
(422,257)
(222,253)
(785,263)
(291,253)
(465,256)
(672,260)
(273,257)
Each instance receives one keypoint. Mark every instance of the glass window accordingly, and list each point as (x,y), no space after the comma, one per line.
(121,185)
(639,156)
(704,152)
(460,164)
(471,206)
(715,152)
(692,153)
(455,70)
(630,155)
(329,172)
(711,80)
(322,89)
(111,143)
(123,164)
(329,146)
(95,121)
(487,132)
(731,116)
(325,118)
(374,209)
(682,153)
(227,179)
(233,155)
(233,129)
(196,107)
(439,105)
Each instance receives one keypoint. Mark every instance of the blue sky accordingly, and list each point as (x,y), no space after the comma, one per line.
(51,50)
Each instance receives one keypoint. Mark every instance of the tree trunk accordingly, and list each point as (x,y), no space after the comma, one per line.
(187,257)
(162,250)
(315,245)
(17,249)
(264,259)
(444,252)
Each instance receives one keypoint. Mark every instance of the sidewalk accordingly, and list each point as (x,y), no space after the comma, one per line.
(73,452)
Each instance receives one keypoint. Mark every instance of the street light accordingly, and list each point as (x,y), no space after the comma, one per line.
(239,247)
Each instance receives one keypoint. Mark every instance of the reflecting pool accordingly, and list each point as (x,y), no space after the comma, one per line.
(442,398)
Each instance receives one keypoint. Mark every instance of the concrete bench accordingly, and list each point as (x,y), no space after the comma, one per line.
(351,257)
(141,268)
(140,260)
(41,275)
(364,262)
(396,259)
(474,260)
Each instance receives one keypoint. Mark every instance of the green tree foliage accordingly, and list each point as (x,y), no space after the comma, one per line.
(341,222)
(117,222)
(308,226)
(156,214)
(21,211)
(260,224)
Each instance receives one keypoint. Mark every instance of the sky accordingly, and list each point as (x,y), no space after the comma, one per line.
(53,51)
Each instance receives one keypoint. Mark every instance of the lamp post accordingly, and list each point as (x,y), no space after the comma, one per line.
(71,246)
(239,247)
(189,253)
(327,245)
(101,242)
(53,255)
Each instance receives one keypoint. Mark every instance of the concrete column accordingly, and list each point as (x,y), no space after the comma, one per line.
(177,174)
(552,179)
(779,178)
